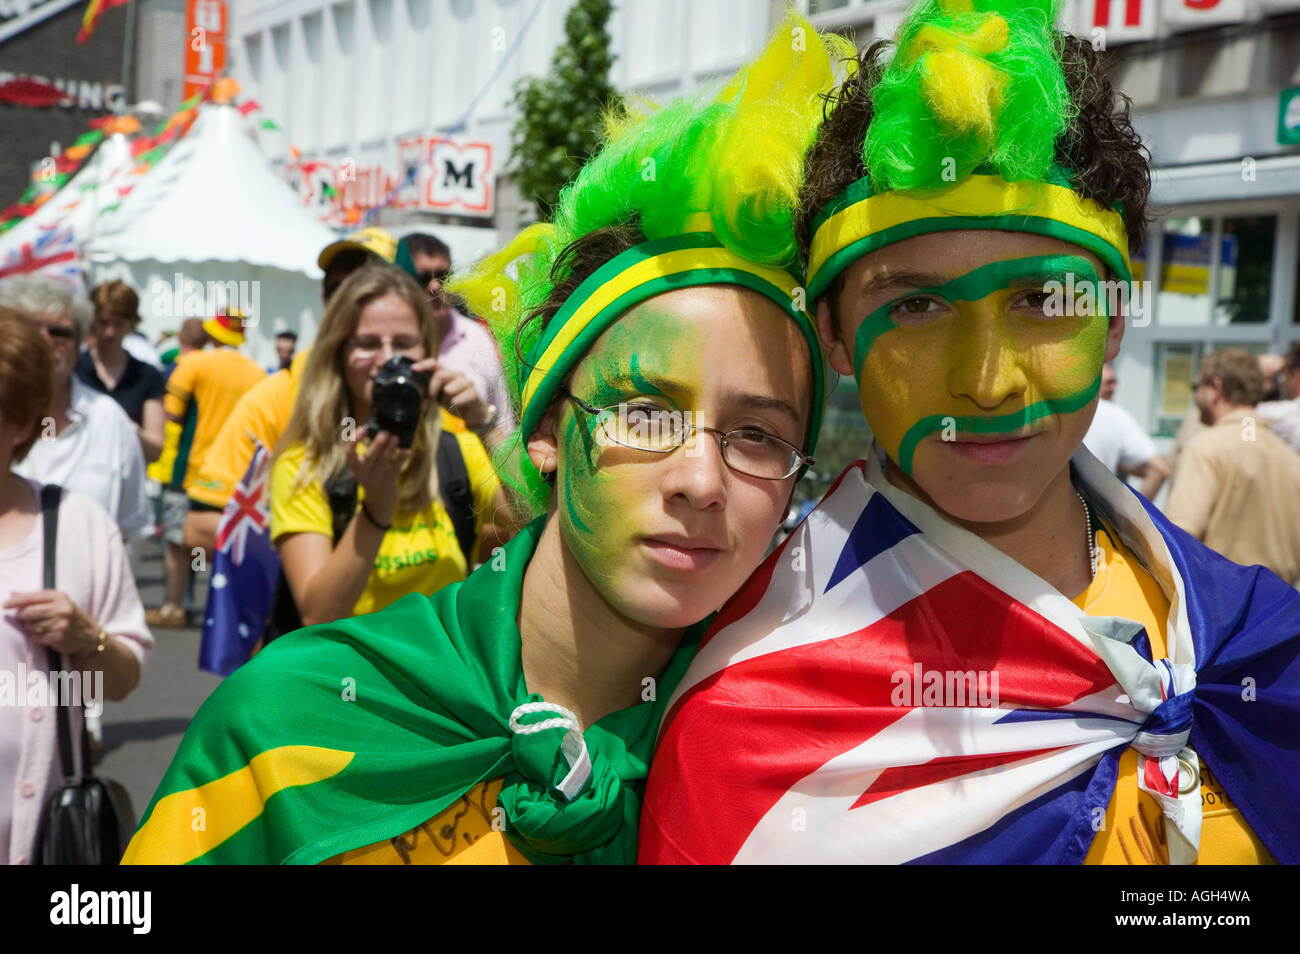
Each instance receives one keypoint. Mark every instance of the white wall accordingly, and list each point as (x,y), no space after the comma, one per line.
(346,77)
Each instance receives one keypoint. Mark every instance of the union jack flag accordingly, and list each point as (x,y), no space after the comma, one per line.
(245,568)
(248,510)
(53,253)
(804,731)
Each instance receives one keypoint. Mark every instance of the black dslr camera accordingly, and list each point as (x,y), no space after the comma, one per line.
(396,399)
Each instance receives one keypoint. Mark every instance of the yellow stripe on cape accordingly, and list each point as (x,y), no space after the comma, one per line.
(187,825)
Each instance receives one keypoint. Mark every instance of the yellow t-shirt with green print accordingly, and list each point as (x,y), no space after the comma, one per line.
(420,554)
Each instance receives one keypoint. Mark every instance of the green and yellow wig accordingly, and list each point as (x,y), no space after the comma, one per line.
(712,185)
(965,122)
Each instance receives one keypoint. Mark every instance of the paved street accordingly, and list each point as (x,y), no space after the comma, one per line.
(141,733)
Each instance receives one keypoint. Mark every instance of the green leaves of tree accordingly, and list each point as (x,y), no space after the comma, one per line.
(559,124)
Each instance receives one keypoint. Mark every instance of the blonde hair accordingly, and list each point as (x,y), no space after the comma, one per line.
(324,404)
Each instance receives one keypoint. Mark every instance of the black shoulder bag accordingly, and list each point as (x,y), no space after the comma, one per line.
(87,820)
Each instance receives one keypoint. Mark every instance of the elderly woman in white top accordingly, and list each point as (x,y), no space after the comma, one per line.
(85,441)
(93,617)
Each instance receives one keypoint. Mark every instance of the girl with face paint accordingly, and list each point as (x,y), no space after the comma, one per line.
(668,382)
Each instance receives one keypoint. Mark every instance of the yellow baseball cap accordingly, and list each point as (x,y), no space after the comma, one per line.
(373,240)
(228,329)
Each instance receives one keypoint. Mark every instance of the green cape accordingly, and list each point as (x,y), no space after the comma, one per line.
(342,735)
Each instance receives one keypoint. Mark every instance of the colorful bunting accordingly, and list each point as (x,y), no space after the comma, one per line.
(91,18)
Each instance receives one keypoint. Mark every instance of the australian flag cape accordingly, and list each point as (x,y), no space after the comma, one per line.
(344,734)
(789,739)
(245,568)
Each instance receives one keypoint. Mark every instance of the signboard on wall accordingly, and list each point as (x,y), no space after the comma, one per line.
(1194,14)
(1288,117)
(1122,21)
(1113,22)
(205,44)
(427,173)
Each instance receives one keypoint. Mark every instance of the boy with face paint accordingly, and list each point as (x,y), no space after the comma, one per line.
(668,382)
(981,647)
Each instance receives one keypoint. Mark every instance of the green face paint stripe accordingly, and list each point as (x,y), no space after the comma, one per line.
(1004,423)
(975,285)
(608,374)
(876,324)
(1035,225)
(572,432)
(639,380)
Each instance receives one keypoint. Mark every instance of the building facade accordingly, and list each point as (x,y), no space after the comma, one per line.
(37,45)
(364,89)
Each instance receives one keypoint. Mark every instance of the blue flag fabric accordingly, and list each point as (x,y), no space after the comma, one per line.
(1246,712)
(245,568)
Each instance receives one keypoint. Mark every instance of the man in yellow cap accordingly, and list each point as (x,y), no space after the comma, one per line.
(340,259)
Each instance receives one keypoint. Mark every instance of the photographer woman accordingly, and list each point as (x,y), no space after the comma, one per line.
(93,616)
(359,524)
(669,389)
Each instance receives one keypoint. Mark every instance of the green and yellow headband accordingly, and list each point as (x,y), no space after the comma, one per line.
(860,221)
(649,269)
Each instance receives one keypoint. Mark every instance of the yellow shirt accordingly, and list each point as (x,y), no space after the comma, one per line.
(203,390)
(467,833)
(261,416)
(1133,830)
(419,554)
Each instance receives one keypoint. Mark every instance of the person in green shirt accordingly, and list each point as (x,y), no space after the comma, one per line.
(669,386)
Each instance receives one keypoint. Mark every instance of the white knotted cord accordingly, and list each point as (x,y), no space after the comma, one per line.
(574,747)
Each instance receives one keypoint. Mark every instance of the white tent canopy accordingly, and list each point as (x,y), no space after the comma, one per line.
(214,222)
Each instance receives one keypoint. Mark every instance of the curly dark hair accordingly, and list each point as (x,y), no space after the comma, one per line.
(1105,155)
(580,259)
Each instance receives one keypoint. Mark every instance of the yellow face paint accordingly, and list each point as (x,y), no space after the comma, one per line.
(980,354)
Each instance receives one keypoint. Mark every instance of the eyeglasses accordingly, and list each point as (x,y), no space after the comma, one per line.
(367,345)
(659,430)
(427,276)
(58,331)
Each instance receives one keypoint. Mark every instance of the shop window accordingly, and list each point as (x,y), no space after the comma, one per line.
(1176,366)
(1245,270)
(1185,271)
(1295,319)
(417,14)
